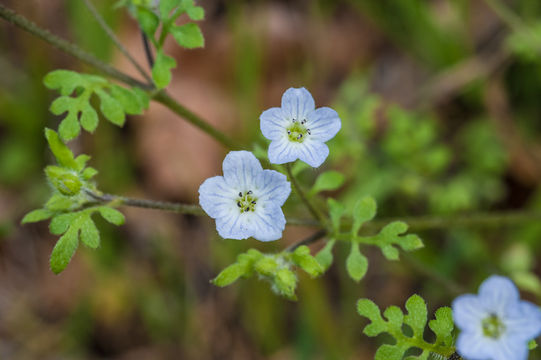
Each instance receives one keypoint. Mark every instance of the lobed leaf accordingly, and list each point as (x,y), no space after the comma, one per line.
(37,215)
(161,72)
(336,211)
(364,210)
(443,326)
(417,315)
(356,263)
(90,236)
(63,251)
(188,35)
(324,257)
(113,216)
(61,152)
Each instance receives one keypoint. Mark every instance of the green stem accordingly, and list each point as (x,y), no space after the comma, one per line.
(163,98)
(68,47)
(313,210)
(115,40)
(90,59)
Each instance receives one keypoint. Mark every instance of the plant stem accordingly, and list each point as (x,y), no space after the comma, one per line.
(307,241)
(315,213)
(506,15)
(69,48)
(115,40)
(90,59)
(163,98)
(148,51)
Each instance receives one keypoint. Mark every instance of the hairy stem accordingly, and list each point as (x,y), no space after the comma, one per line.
(68,47)
(116,41)
(313,210)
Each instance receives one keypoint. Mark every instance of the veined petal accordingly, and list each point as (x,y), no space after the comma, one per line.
(474,346)
(497,292)
(273,123)
(268,223)
(323,123)
(217,198)
(468,312)
(282,151)
(313,152)
(274,188)
(240,169)
(523,320)
(297,103)
(510,348)
(234,226)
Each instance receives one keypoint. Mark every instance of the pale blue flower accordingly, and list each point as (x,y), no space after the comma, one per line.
(496,324)
(298,130)
(246,201)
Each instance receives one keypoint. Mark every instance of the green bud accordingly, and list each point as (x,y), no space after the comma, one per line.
(285,282)
(64,180)
(267,265)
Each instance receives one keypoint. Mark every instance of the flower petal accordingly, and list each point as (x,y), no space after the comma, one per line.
(282,151)
(297,103)
(216,197)
(468,312)
(510,348)
(234,226)
(323,123)
(273,123)
(313,152)
(268,223)
(524,320)
(474,346)
(241,169)
(497,292)
(275,188)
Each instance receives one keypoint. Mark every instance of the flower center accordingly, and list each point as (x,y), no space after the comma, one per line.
(297,131)
(246,201)
(493,327)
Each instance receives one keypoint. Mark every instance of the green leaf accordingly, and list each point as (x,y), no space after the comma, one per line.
(391,235)
(69,127)
(63,180)
(395,317)
(266,265)
(302,258)
(285,282)
(532,344)
(111,108)
(61,152)
(89,173)
(59,202)
(148,21)
(364,210)
(229,275)
(417,315)
(389,352)
(196,13)
(81,161)
(64,80)
(144,99)
(60,223)
(166,6)
(161,72)
(113,216)
(63,251)
(443,326)
(89,118)
(370,310)
(90,236)
(188,35)
(37,215)
(327,181)
(336,211)
(131,101)
(390,252)
(324,257)
(356,263)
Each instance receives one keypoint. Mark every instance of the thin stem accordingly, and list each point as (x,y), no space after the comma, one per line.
(115,40)
(307,241)
(149,204)
(148,51)
(163,98)
(315,213)
(69,48)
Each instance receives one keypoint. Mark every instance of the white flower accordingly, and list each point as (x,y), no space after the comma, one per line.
(298,130)
(496,324)
(246,201)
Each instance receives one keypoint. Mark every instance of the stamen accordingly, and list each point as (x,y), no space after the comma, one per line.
(238,204)
(253,202)
(299,137)
(303,122)
(308,131)
(249,192)
(289,132)
(294,120)
(240,194)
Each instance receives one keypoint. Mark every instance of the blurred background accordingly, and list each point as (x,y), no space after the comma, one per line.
(440,102)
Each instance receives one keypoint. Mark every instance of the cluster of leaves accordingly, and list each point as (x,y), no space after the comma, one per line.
(399,154)
(71,206)
(408,330)
(152,14)
(115,101)
(274,268)
(389,237)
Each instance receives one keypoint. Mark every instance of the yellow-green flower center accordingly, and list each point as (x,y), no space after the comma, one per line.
(246,201)
(493,327)
(297,131)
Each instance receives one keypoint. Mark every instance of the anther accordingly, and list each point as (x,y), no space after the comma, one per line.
(247,209)
(249,192)
(240,194)
(303,122)
(289,132)
(294,120)
(300,136)
(308,131)
(253,202)
(238,204)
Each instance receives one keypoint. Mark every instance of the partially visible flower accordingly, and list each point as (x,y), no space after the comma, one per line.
(298,130)
(496,324)
(246,201)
